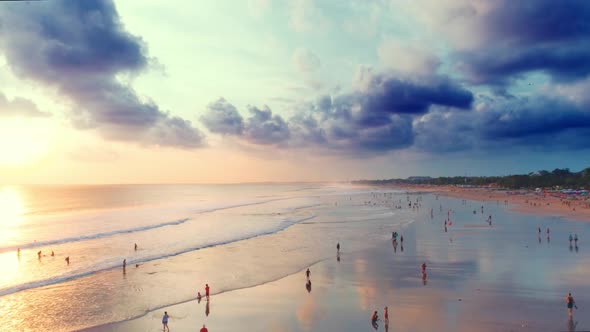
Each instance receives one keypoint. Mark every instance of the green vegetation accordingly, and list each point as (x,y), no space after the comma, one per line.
(563,178)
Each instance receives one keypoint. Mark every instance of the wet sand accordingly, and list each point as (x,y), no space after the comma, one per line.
(479,278)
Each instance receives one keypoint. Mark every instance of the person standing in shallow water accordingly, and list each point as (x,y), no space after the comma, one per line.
(569,300)
(207,291)
(307,273)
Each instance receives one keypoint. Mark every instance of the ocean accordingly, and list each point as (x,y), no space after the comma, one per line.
(229,236)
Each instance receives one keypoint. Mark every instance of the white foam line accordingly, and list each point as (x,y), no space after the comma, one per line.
(76,275)
(177,222)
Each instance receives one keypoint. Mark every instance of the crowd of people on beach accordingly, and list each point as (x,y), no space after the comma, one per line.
(415,206)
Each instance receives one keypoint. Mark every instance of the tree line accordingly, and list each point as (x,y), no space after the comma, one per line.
(562,178)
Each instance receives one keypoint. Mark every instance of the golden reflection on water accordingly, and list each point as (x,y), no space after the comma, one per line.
(11,207)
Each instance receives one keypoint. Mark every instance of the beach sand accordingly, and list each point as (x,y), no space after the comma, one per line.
(479,278)
(518,200)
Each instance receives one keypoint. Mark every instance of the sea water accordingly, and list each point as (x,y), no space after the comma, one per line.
(230,236)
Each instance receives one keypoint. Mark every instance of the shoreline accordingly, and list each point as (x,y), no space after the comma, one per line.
(472,282)
(528,202)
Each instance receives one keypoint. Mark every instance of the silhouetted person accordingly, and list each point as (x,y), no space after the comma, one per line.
(307,273)
(18,252)
(569,300)
(207,291)
(165,322)
(68,260)
(136,247)
(52,254)
(39,254)
(338,246)
(124,263)
(374,320)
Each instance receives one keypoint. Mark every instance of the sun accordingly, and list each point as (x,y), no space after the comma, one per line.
(23,141)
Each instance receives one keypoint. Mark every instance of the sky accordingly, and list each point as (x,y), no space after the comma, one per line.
(102,91)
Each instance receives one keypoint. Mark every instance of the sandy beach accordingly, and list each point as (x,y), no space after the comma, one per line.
(519,200)
(502,277)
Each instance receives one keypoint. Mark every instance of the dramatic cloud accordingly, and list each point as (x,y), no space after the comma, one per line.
(223,118)
(383,93)
(377,116)
(500,123)
(265,128)
(19,107)
(306,61)
(80,48)
(516,37)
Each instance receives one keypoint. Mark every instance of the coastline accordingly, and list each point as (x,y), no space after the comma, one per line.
(528,202)
(473,283)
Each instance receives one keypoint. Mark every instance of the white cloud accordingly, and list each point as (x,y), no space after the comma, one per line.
(407,57)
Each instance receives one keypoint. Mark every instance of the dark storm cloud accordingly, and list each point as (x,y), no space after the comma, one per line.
(223,118)
(81,47)
(376,118)
(502,123)
(19,107)
(517,37)
(395,96)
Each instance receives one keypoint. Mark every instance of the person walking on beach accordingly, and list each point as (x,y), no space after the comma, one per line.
(207,291)
(18,252)
(569,299)
(307,273)
(423,268)
(571,238)
(203,329)
(165,322)
(576,239)
(385,316)
(539,231)
(124,263)
(135,247)
(401,239)
(338,247)
(39,254)
(547,232)
(68,260)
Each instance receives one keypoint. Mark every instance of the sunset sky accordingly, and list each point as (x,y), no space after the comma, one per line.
(295,90)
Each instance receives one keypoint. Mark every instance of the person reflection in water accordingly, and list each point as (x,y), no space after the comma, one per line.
(207,309)
(308,286)
(571,325)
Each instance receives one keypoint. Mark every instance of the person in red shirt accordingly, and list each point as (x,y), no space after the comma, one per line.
(207,290)
(386,316)
(203,329)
